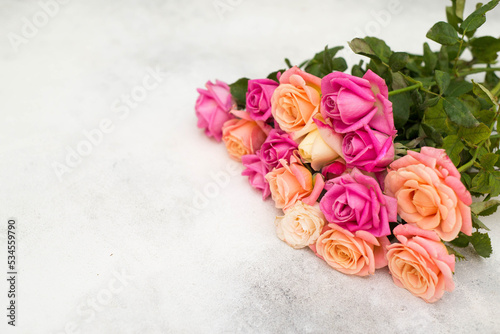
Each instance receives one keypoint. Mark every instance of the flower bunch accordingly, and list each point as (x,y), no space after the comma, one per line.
(375,168)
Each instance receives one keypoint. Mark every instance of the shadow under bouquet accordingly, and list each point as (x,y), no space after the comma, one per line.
(378,167)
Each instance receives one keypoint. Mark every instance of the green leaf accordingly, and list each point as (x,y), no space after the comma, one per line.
(430,58)
(458,113)
(436,117)
(457,88)
(484,93)
(485,49)
(476,223)
(462,240)
(443,33)
(452,251)
(324,62)
(479,208)
(400,108)
(481,243)
(478,17)
(274,75)
(466,179)
(288,63)
(491,80)
(371,47)
(398,61)
(485,116)
(443,59)
(459,9)
(431,133)
(453,146)
(339,64)
(476,134)
(239,91)
(442,80)
(488,161)
(486,182)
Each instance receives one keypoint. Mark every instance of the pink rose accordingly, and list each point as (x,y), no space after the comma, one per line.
(212,108)
(350,103)
(358,253)
(296,101)
(293,182)
(242,137)
(276,147)
(333,170)
(420,263)
(258,98)
(368,149)
(429,192)
(256,171)
(355,202)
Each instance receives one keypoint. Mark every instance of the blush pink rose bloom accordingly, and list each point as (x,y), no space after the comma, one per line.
(358,253)
(368,149)
(296,101)
(258,98)
(212,108)
(420,263)
(276,147)
(355,202)
(293,182)
(429,192)
(256,171)
(350,103)
(242,137)
(333,170)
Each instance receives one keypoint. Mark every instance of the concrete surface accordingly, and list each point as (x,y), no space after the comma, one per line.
(135,235)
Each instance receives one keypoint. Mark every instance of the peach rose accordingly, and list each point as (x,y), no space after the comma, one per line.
(293,182)
(313,149)
(420,263)
(242,136)
(429,192)
(296,101)
(358,253)
(301,225)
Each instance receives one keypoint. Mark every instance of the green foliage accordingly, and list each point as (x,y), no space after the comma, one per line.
(239,91)
(443,33)
(325,62)
(435,104)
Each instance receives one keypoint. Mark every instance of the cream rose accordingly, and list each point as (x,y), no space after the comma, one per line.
(301,225)
(315,150)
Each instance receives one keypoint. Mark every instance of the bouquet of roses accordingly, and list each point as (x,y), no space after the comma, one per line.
(375,168)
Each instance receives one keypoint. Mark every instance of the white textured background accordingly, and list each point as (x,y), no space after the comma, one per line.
(127,207)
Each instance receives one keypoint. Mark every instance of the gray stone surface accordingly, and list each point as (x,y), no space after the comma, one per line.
(114,245)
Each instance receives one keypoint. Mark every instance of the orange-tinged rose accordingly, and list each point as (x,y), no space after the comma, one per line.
(358,253)
(242,137)
(296,101)
(420,263)
(293,182)
(430,194)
